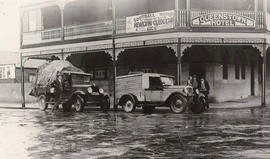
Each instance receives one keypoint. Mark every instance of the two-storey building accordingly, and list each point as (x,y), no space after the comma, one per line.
(224,41)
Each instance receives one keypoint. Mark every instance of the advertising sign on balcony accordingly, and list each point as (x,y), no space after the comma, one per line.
(150,22)
(222,19)
(7,71)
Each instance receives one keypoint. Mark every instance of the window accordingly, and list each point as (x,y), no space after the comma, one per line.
(100,74)
(125,8)
(223,4)
(3,73)
(243,72)
(80,79)
(268,6)
(225,71)
(155,83)
(51,17)
(32,78)
(32,21)
(147,70)
(237,71)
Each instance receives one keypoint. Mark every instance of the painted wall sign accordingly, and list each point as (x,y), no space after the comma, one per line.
(150,22)
(222,19)
(7,71)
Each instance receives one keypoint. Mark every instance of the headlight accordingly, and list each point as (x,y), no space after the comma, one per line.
(52,90)
(101,90)
(90,90)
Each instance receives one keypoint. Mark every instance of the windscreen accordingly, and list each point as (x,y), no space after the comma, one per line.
(80,79)
(167,81)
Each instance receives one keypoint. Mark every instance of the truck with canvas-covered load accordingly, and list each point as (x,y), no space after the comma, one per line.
(78,89)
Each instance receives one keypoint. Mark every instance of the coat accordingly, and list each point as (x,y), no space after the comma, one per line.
(58,87)
(206,86)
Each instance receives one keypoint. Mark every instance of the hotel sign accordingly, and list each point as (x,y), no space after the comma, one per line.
(150,22)
(222,19)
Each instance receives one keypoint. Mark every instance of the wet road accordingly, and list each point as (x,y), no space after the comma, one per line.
(218,133)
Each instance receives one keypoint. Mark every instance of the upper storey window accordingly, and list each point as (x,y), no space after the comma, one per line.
(32,21)
(268,6)
(247,5)
(86,11)
(51,17)
(126,8)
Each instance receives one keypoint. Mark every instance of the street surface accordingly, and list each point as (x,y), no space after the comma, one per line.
(218,133)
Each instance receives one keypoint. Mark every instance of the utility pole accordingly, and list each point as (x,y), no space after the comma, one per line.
(22,83)
(114,58)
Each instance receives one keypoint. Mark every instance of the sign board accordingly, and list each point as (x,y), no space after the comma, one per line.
(222,19)
(7,71)
(150,22)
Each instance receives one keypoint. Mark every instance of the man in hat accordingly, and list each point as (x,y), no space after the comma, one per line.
(58,84)
(204,88)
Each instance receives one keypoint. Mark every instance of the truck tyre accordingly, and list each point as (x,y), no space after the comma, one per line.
(129,104)
(178,104)
(67,107)
(199,106)
(148,109)
(78,104)
(42,102)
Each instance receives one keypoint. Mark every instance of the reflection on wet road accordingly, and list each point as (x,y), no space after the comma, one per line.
(218,133)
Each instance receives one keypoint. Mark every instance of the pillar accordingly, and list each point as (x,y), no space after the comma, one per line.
(263,76)
(179,64)
(188,7)
(176,14)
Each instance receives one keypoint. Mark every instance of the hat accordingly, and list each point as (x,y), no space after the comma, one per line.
(59,74)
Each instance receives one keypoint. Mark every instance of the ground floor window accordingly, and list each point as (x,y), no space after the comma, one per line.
(237,71)
(243,72)
(100,74)
(31,78)
(147,70)
(225,71)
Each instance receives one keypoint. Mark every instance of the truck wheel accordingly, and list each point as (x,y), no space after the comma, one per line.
(199,106)
(105,104)
(42,102)
(148,109)
(178,104)
(78,104)
(67,107)
(129,105)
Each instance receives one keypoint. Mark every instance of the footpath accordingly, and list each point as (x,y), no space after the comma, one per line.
(249,102)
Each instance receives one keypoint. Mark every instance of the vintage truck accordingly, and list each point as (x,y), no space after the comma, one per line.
(150,90)
(78,89)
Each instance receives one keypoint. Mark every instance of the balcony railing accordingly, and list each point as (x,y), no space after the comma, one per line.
(105,27)
(51,34)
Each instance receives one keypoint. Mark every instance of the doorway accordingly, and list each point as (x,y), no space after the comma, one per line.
(197,69)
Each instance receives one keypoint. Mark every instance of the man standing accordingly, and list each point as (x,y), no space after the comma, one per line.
(58,84)
(204,88)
